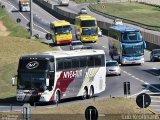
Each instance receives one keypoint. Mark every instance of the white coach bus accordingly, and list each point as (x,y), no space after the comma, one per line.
(63,2)
(55,75)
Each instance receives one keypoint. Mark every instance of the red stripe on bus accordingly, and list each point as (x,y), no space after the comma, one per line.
(63,83)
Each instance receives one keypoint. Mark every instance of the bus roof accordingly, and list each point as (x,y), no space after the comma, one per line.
(60,23)
(86,17)
(123,28)
(60,54)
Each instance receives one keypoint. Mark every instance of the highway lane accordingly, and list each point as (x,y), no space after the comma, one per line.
(114,87)
(140,70)
(75,8)
(98,45)
(25,16)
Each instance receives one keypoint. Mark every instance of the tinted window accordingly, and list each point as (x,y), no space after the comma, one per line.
(132,36)
(76,43)
(111,64)
(90,61)
(88,23)
(83,62)
(98,60)
(75,63)
(67,63)
(59,65)
(62,29)
(156,52)
(89,31)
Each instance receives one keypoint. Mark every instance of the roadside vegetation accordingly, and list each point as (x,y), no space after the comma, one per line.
(108,109)
(13,44)
(138,12)
(11,49)
(13,28)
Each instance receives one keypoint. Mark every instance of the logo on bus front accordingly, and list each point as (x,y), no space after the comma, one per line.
(32,65)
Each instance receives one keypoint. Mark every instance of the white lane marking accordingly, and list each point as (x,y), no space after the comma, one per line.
(11,9)
(25,17)
(130,96)
(154,68)
(129,74)
(148,85)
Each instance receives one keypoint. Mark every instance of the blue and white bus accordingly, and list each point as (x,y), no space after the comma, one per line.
(126,44)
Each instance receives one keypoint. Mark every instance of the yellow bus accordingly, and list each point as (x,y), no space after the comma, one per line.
(86,28)
(61,31)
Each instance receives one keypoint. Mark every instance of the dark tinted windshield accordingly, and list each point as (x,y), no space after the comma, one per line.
(62,29)
(88,23)
(111,64)
(31,80)
(89,31)
(137,50)
(76,43)
(156,51)
(131,36)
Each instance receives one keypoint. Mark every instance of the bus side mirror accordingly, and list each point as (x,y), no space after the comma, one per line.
(14,80)
(47,82)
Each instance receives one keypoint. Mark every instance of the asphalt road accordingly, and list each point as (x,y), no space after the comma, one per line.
(142,78)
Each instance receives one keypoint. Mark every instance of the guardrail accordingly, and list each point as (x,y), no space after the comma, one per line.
(153,41)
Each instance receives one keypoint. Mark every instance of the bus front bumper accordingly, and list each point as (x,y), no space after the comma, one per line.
(125,61)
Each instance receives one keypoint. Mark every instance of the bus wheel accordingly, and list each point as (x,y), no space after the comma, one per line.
(91,92)
(85,93)
(57,97)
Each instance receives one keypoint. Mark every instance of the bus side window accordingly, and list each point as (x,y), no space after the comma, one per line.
(90,61)
(98,61)
(67,64)
(115,37)
(60,65)
(83,62)
(75,63)
(125,37)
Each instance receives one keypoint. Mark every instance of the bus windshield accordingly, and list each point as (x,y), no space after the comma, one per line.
(131,37)
(31,80)
(63,29)
(89,31)
(88,23)
(133,50)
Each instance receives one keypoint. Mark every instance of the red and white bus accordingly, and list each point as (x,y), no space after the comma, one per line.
(55,75)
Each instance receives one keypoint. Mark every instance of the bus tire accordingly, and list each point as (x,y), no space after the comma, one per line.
(85,93)
(57,98)
(91,92)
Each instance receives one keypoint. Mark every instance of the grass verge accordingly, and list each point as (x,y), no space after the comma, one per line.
(137,12)
(11,48)
(108,109)
(15,29)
